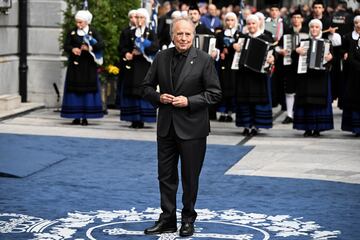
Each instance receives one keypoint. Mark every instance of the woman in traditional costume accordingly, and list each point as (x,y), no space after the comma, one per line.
(351,105)
(254,109)
(138,49)
(82,99)
(312,109)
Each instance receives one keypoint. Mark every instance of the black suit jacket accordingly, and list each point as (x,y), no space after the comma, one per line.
(198,82)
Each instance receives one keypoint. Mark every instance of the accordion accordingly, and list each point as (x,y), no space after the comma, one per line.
(290,42)
(316,49)
(236,59)
(254,53)
(205,42)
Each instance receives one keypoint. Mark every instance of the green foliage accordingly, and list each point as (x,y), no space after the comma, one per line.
(109,18)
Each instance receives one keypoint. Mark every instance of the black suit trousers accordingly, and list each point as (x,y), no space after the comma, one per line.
(191,153)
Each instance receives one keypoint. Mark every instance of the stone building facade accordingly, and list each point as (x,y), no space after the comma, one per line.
(44,60)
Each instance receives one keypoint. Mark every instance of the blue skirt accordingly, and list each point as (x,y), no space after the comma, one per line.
(350,121)
(314,117)
(254,115)
(82,105)
(134,109)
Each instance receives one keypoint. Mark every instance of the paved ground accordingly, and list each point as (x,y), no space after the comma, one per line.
(278,152)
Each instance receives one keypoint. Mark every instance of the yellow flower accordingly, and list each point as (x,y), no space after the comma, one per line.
(113,69)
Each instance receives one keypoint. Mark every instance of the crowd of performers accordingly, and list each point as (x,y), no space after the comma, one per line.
(248,94)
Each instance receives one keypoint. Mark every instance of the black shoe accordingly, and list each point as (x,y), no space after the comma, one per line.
(84,122)
(307,133)
(161,227)
(357,134)
(137,124)
(186,230)
(316,133)
(76,121)
(254,132)
(140,125)
(246,132)
(228,119)
(222,118)
(287,120)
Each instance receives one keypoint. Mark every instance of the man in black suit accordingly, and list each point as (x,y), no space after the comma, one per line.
(188,85)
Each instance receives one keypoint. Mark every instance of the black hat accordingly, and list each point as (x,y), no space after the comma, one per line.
(296,12)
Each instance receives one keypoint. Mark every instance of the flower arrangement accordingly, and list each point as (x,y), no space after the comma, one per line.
(108,72)
(113,69)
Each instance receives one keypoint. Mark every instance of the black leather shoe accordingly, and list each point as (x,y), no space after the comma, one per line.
(287,120)
(228,119)
(222,118)
(246,132)
(186,230)
(161,227)
(140,125)
(84,122)
(316,133)
(308,133)
(76,121)
(254,132)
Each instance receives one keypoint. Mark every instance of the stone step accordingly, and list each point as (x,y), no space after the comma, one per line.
(9,102)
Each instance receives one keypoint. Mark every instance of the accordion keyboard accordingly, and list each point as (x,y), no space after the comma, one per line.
(287,46)
(303,65)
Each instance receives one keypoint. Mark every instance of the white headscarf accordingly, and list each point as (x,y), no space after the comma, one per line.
(84,15)
(131,12)
(355,35)
(356,18)
(145,13)
(176,14)
(232,15)
(318,22)
(261,17)
(253,17)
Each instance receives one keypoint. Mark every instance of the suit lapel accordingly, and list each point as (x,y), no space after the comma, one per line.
(187,67)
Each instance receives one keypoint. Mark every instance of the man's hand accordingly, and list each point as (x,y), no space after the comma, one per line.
(166,98)
(180,101)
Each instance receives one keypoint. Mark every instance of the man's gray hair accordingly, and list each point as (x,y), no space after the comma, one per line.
(178,19)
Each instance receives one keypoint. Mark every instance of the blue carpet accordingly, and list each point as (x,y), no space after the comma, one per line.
(108,189)
(18,161)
